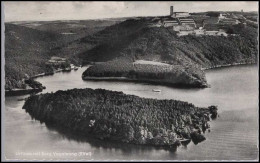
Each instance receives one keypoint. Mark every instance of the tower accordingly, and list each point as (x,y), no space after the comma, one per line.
(172,14)
(171,11)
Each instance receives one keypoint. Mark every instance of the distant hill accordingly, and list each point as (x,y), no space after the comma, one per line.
(74,29)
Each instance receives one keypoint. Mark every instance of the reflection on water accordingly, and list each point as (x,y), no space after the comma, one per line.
(233,135)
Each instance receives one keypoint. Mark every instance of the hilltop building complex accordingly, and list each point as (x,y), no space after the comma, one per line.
(184,24)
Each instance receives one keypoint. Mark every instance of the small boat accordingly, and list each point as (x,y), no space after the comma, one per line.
(67,69)
(156,90)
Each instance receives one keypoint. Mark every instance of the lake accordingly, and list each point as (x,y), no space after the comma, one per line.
(233,136)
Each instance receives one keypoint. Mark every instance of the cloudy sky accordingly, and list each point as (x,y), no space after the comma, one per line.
(42,11)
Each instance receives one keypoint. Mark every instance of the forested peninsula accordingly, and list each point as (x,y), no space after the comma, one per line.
(115,116)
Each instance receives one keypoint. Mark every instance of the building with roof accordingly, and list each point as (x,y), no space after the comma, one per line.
(178,14)
(58,58)
(199,31)
(184,24)
(187,21)
(211,20)
(170,22)
(183,28)
(177,19)
(222,16)
(184,33)
(228,21)
(56,61)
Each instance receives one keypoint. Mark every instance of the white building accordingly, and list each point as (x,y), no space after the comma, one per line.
(199,31)
(222,34)
(183,28)
(211,33)
(184,33)
(216,33)
(222,16)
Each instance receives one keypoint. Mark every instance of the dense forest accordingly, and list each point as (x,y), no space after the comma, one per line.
(172,75)
(28,45)
(25,53)
(119,117)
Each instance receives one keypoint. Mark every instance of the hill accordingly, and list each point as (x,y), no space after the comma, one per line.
(73,29)
(133,40)
(26,52)
(28,45)
(27,49)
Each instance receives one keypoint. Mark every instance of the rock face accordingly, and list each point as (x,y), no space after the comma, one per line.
(118,117)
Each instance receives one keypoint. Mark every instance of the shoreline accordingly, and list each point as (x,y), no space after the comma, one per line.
(20,91)
(52,73)
(228,65)
(158,82)
(91,138)
(17,91)
(149,81)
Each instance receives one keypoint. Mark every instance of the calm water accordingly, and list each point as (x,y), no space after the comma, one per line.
(233,136)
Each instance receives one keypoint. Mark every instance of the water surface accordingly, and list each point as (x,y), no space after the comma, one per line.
(233,136)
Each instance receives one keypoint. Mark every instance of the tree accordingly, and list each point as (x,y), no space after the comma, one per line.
(213,14)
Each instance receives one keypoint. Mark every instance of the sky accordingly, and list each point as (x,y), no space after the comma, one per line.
(68,10)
